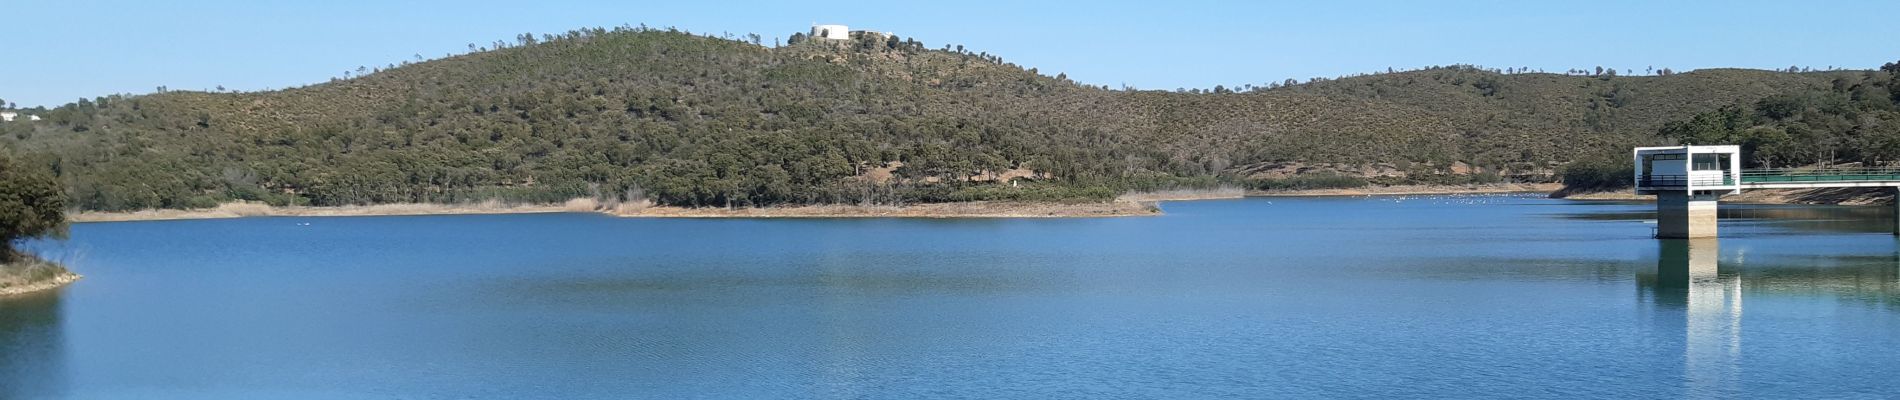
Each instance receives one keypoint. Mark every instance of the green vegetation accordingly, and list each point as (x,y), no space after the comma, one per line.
(31,206)
(1855,118)
(1325,180)
(691,120)
(1598,174)
(29,273)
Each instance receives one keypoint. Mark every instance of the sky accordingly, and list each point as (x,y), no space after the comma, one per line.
(56,52)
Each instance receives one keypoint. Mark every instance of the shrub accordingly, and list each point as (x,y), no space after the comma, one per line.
(31,205)
(1326,180)
(1601,173)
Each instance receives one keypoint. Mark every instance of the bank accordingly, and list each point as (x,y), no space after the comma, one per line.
(1826,196)
(1399,190)
(975,209)
(1127,205)
(31,275)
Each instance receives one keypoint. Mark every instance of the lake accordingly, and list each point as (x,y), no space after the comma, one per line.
(1453,296)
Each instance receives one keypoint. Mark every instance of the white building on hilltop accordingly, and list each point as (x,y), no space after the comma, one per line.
(9,116)
(834,32)
(841,32)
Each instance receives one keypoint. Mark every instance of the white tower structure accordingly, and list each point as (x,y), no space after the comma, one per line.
(1687,181)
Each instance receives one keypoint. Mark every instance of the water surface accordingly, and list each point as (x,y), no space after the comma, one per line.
(1482,296)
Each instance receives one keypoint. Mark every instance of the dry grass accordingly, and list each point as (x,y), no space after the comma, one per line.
(1130,205)
(32,274)
(974,209)
(581,205)
(245,209)
(1419,189)
(1223,192)
(1841,196)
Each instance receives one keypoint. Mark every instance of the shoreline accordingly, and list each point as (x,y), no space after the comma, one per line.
(1399,190)
(32,275)
(1822,196)
(975,209)
(242,210)
(56,282)
(1127,205)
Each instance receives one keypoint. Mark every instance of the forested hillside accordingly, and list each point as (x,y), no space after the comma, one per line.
(698,121)
(1853,120)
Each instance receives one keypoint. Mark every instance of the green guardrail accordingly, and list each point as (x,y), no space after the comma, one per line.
(1820,175)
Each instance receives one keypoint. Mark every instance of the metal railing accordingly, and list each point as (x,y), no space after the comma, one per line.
(1820,175)
(1684,180)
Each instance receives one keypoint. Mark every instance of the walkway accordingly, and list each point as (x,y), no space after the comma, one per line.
(1819,178)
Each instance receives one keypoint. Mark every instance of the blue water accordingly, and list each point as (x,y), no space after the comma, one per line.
(1273,297)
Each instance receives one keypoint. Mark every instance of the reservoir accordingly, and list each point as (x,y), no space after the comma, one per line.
(1368,297)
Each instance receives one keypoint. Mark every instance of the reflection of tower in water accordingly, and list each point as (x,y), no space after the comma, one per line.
(32,359)
(1690,278)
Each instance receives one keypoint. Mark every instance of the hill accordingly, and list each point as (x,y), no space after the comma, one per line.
(689,120)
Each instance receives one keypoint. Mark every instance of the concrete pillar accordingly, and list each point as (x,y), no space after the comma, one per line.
(1680,215)
(1896,210)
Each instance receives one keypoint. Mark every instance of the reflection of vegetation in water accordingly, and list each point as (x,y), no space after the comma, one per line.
(1685,268)
(1874,279)
(1799,218)
(1705,288)
(849,281)
(1690,277)
(31,359)
(1685,271)
(1534,269)
(1681,266)
(1856,219)
(1710,292)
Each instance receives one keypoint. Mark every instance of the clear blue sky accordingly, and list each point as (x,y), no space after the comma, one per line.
(59,51)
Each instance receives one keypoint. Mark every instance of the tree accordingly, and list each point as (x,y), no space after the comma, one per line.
(1893,79)
(1717,127)
(32,205)
(699,121)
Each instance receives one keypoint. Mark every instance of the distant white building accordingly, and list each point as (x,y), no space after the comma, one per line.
(9,116)
(842,32)
(834,32)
